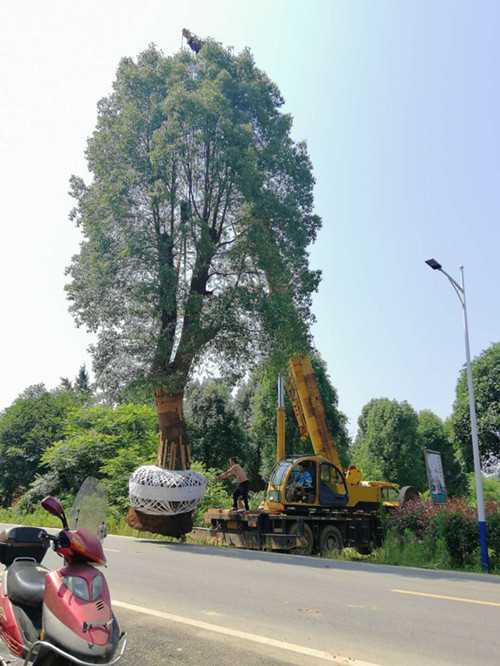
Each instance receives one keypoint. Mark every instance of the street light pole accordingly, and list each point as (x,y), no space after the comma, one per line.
(483,537)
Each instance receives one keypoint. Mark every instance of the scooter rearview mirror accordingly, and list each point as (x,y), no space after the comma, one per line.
(54,506)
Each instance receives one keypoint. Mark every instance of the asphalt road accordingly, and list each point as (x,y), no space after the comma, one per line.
(186,604)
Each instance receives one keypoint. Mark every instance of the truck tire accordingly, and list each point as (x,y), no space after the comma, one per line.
(408,494)
(331,540)
(306,532)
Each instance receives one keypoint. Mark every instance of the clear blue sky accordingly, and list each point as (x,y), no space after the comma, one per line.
(400,105)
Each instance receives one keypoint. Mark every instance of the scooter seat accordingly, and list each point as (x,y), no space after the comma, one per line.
(26,583)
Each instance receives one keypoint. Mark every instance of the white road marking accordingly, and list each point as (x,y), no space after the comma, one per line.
(465,600)
(111,550)
(244,635)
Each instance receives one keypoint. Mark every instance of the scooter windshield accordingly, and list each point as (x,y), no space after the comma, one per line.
(90,508)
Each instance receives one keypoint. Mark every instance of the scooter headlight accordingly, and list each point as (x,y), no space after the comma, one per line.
(97,587)
(78,586)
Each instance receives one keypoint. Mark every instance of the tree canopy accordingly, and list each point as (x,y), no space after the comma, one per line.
(198,197)
(214,428)
(27,428)
(486,380)
(386,446)
(98,436)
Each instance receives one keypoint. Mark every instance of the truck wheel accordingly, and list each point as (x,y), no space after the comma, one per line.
(408,494)
(331,540)
(306,532)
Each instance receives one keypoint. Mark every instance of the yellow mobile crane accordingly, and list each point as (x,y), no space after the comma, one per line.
(331,509)
(325,465)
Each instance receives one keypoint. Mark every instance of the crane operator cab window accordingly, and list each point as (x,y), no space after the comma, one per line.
(301,486)
(389,494)
(332,488)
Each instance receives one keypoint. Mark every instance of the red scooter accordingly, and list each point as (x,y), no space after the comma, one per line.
(62,617)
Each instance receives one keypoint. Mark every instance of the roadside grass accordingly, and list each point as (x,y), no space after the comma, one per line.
(424,554)
(38,518)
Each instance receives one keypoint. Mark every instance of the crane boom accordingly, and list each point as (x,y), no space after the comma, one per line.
(309,410)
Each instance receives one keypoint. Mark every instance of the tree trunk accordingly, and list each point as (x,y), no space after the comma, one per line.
(173,453)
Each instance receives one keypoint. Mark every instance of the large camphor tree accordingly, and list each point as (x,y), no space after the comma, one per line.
(196,224)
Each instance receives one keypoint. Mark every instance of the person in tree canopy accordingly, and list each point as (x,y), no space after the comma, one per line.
(241,476)
(193,41)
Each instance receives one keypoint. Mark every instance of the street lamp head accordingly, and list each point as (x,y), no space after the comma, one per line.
(435,265)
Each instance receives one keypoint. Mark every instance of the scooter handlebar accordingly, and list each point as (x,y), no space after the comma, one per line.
(58,541)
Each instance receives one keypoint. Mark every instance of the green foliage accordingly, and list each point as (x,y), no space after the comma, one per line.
(216,495)
(408,550)
(460,533)
(214,429)
(431,434)
(36,518)
(386,445)
(491,489)
(197,192)
(104,442)
(43,485)
(27,428)
(443,535)
(494,538)
(82,381)
(391,440)
(486,380)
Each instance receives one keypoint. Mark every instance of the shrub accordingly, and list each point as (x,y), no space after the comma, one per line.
(414,516)
(448,534)
(494,539)
(459,532)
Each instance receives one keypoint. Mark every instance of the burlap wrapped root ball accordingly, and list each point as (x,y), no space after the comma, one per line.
(165,492)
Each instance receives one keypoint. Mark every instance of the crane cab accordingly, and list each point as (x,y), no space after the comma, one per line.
(327,487)
(305,482)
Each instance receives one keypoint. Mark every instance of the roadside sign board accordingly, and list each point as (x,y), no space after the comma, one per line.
(435,476)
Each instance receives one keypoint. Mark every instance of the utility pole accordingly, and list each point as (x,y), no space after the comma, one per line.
(483,536)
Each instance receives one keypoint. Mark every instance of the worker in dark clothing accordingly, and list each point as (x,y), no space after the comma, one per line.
(193,41)
(241,476)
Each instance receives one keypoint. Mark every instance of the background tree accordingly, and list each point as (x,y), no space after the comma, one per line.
(386,446)
(432,434)
(214,429)
(486,379)
(104,442)
(27,428)
(82,381)
(244,406)
(195,180)
(66,384)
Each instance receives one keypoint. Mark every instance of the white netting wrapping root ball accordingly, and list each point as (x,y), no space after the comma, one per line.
(165,492)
